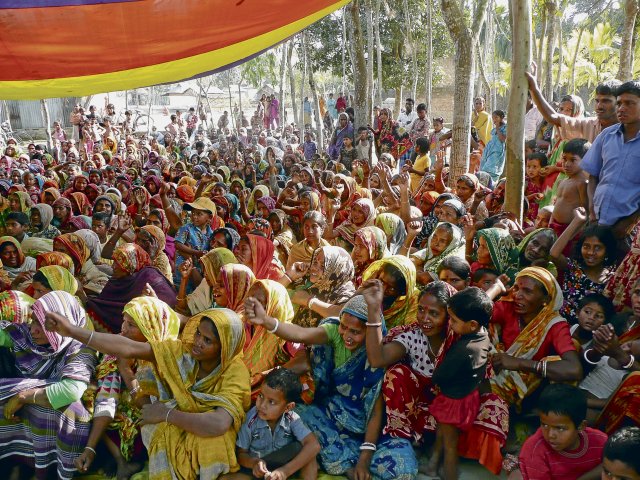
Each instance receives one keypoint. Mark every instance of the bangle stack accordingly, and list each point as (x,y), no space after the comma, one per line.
(276,327)
(632,360)
(538,368)
(134,391)
(368,446)
(544,369)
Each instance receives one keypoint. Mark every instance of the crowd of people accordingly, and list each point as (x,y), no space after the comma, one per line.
(251,304)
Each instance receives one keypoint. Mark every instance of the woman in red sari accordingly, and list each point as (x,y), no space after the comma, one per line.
(257,253)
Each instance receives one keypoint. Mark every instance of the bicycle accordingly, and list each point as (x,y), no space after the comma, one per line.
(20,136)
(140,122)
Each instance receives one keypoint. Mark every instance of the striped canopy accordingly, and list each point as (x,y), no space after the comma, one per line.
(62,48)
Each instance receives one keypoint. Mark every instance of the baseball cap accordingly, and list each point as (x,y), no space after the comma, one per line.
(201,203)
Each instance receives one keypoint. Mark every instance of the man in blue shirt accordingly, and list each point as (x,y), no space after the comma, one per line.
(613,165)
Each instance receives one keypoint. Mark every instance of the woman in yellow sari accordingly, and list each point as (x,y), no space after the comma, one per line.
(203,388)
(398,274)
(53,277)
(265,350)
(202,297)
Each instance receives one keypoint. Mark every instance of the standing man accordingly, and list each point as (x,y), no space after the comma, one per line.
(532,119)
(481,119)
(192,122)
(583,127)
(408,116)
(306,107)
(613,165)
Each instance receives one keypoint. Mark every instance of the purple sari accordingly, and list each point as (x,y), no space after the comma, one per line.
(106,309)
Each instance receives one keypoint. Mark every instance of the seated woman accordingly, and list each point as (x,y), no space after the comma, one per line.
(456,272)
(264,350)
(53,277)
(393,227)
(283,238)
(232,286)
(89,277)
(447,240)
(313,226)
(132,274)
(41,217)
(362,214)
(18,268)
(202,297)
(527,327)
(158,218)
(370,245)
(44,422)
(257,253)
(592,266)
(348,412)
(398,274)
(203,388)
(152,240)
(535,248)
(495,250)
(62,215)
(123,386)
(225,238)
(329,285)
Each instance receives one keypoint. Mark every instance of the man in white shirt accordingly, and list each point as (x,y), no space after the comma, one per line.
(407,117)
(532,119)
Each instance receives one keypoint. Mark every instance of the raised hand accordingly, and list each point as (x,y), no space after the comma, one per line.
(54,322)
(580,213)
(373,292)
(186,268)
(124,222)
(254,311)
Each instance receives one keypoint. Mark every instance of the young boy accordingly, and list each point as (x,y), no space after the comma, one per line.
(273,442)
(193,238)
(621,460)
(484,278)
(364,146)
(17,225)
(420,167)
(534,187)
(572,191)
(347,153)
(563,448)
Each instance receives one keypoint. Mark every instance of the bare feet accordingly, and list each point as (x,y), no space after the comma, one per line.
(125,470)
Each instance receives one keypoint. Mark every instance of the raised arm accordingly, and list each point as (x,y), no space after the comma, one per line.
(103,342)
(255,314)
(547,111)
(379,355)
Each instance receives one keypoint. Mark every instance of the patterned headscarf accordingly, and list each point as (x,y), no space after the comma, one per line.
(54,258)
(626,276)
(75,247)
(155,319)
(131,258)
(15,306)
(394,229)
(236,279)
(214,260)
(348,229)
(92,241)
(503,251)
(60,278)
(64,304)
(158,234)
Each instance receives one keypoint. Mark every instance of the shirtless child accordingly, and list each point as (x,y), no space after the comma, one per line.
(572,191)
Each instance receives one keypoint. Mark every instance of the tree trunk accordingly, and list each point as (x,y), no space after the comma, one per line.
(344,49)
(572,76)
(376,26)
(370,82)
(230,98)
(625,71)
(314,92)
(292,83)
(239,119)
(360,70)
(557,86)
(483,82)
(429,76)
(303,54)
(397,103)
(520,11)
(47,123)
(552,8)
(283,62)
(542,37)
(412,47)
(464,38)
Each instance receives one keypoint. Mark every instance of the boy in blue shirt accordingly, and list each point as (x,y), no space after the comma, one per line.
(273,442)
